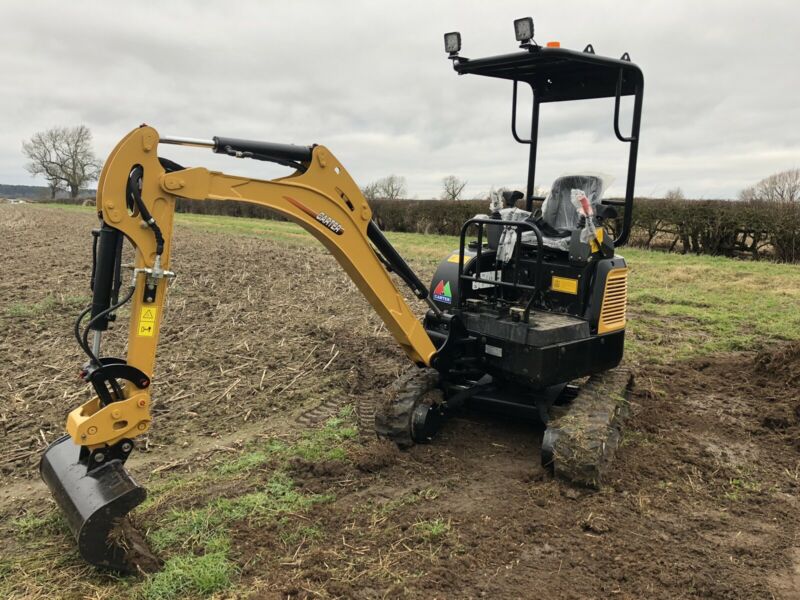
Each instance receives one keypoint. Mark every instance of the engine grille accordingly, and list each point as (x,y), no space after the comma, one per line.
(615,301)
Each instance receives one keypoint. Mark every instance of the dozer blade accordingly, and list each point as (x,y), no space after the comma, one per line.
(93,501)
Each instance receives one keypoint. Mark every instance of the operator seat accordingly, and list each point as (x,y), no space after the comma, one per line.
(558,219)
(559,215)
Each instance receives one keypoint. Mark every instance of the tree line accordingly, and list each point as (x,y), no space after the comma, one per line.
(764,222)
(393,187)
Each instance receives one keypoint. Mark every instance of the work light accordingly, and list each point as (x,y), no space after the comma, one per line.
(523,29)
(452,42)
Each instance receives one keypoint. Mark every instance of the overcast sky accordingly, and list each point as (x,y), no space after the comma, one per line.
(371,81)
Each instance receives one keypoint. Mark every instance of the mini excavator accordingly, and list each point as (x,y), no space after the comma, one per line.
(527,316)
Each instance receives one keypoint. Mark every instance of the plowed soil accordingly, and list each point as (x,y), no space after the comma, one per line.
(258,335)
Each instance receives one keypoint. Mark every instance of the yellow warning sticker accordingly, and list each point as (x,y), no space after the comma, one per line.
(454,258)
(147,321)
(565,285)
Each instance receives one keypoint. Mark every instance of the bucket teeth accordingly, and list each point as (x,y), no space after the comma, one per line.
(580,443)
(93,502)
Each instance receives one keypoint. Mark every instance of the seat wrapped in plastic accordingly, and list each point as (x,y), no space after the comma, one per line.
(558,210)
(560,213)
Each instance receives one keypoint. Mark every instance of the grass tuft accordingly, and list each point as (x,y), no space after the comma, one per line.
(250,461)
(200,527)
(45,306)
(432,530)
(189,576)
(31,525)
(740,487)
(326,443)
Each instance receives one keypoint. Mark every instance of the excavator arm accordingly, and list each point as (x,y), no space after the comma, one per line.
(323,199)
(136,199)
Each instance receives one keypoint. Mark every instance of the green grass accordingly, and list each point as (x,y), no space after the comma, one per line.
(251,460)
(201,527)
(325,443)
(45,306)
(680,305)
(315,445)
(198,545)
(162,490)
(33,525)
(196,539)
(292,536)
(695,305)
(432,530)
(740,487)
(190,577)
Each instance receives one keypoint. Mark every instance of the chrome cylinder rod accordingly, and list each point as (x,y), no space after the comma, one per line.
(98,335)
(184,141)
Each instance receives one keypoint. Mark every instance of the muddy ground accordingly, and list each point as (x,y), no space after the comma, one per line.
(264,339)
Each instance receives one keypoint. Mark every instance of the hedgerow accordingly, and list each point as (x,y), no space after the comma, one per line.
(744,229)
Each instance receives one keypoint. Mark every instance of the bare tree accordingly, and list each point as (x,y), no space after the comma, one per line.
(674,194)
(391,187)
(41,151)
(80,164)
(780,187)
(370,191)
(452,188)
(63,156)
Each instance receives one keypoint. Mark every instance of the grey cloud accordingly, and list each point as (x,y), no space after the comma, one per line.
(371,81)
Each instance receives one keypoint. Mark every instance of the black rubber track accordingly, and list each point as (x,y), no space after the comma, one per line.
(393,414)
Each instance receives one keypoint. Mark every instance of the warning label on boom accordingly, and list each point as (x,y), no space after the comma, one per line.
(147,321)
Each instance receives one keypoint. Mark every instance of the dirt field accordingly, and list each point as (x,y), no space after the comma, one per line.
(260,487)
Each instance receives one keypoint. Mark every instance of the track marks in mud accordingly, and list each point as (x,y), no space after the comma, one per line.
(702,502)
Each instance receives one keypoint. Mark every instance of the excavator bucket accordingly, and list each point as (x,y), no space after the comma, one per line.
(93,501)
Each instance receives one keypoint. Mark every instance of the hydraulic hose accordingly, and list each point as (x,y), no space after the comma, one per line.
(84,341)
(134,189)
(77,331)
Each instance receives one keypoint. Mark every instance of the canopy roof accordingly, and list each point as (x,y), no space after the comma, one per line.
(558,74)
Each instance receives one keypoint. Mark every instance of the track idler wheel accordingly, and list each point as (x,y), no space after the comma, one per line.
(413,411)
(93,500)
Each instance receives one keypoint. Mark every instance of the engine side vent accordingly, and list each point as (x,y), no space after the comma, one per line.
(615,301)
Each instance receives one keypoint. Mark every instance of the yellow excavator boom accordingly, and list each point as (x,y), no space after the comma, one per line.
(136,199)
(324,200)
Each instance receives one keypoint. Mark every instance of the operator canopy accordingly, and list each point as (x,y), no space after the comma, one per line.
(558,74)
